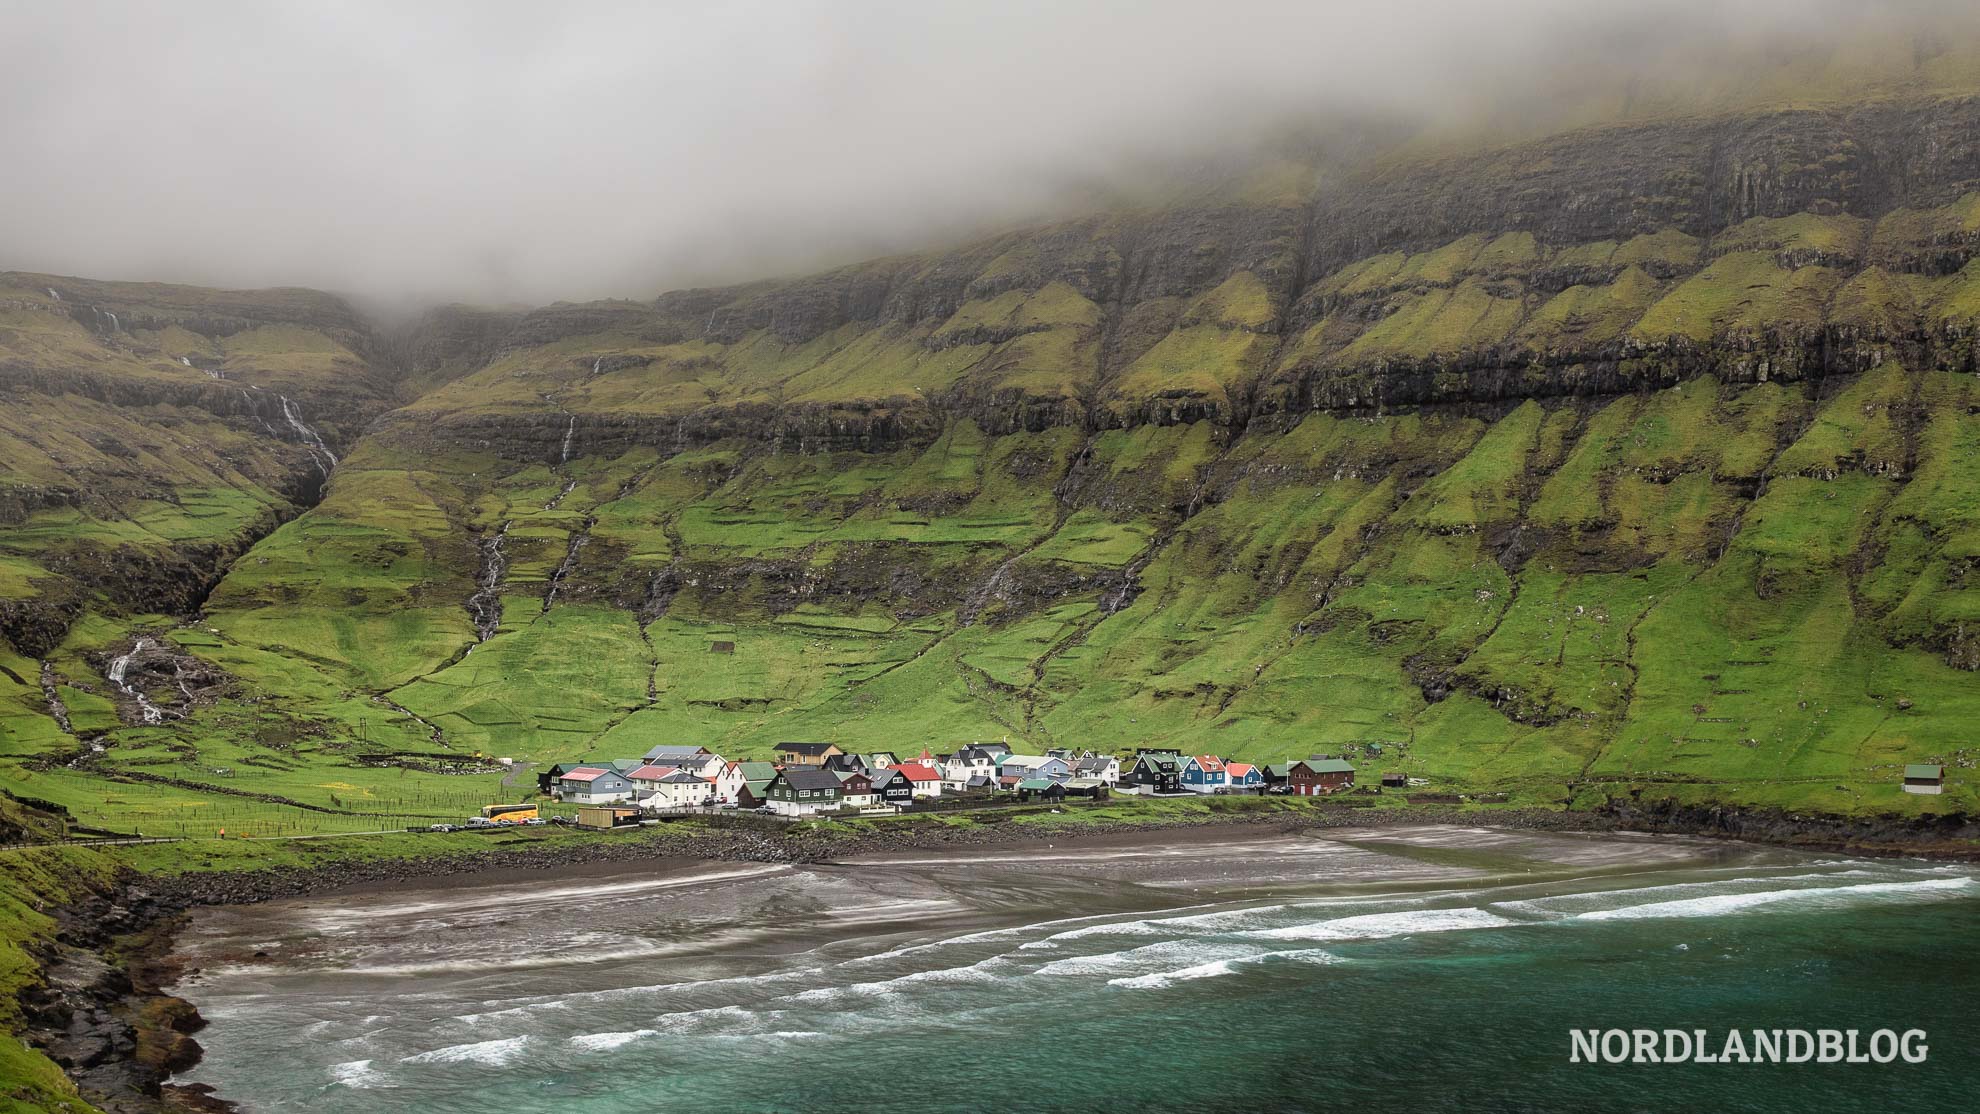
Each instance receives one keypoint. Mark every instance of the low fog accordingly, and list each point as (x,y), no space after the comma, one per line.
(525,152)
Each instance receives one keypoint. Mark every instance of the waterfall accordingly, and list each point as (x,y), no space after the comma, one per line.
(595,362)
(114,327)
(186,360)
(570,558)
(120,668)
(485,605)
(568,431)
(318,451)
(568,488)
(54,293)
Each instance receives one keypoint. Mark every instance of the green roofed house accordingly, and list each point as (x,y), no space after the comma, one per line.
(1318,776)
(1921,777)
(1040,787)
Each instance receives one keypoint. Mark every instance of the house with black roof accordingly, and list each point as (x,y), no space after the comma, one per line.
(803,791)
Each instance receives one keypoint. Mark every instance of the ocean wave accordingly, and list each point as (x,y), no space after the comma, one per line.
(1718,904)
(1371,926)
(1192,952)
(482,1052)
(1219,967)
(1558,904)
(605,1042)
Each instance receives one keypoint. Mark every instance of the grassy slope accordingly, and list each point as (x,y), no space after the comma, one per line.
(1735,591)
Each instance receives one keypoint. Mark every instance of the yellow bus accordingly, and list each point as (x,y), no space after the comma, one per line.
(515,814)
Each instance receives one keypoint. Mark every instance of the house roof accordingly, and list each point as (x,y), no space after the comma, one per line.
(1239,769)
(1160,759)
(804,777)
(674,752)
(756,771)
(758,787)
(1086,783)
(1093,763)
(1209,763)
(682,777)
(806,748)
(1327,765)
(1026,759)
(1004,748)
(977,781)
(847,775)
(585,773)
(880,778)
(915,771)
(651,772)
(1279,769)
(1036,783)
(1925,770)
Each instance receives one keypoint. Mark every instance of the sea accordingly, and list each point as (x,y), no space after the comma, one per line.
(1416,969)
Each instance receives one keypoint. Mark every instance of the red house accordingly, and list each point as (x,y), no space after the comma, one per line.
(1317,777)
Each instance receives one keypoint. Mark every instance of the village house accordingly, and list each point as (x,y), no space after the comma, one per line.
(1276,776)
(735,776)
(1043,789)
(844,763)
(922,778)
(1318,776)
(679,789)
(997,750)
(1924,778)
(1153,771)
(1034,766)
(880,760)
(803,791)
(699,761)
(1204,773)
(855,788)
(647,776)
(1243,777)
(892,787)
(1105,767)
(805,754)
(1087,787)
(755,793)
(966,763)
(590,785)
(546,782)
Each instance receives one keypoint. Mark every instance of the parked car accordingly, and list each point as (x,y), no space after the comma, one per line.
(443,828)
(480,822)
(535,820)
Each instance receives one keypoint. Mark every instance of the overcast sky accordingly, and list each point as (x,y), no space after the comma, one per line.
(528,151)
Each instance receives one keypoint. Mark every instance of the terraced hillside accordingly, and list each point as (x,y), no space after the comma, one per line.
(1639,458)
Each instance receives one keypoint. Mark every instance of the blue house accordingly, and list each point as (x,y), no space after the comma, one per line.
(1244,777)
(1204,773)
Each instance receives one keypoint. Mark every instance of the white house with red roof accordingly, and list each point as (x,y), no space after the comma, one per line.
(594,785)
(647,777)
(923,776)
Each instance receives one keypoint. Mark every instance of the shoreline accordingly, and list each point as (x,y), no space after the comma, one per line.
(131,932)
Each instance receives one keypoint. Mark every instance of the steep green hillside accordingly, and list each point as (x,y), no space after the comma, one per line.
(1633,458)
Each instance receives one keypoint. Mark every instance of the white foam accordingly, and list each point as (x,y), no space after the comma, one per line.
(483,1052)
(1720,904)
(1190,952)
(1371,926)
(358,1075)
(1220,967)
(605,1042)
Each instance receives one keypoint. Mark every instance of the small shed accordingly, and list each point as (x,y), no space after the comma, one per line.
(1923,777)
(1093,787)
(721,647)
(607,816)
(1395,779)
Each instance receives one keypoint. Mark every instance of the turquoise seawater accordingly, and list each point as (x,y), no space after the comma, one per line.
(1330,982)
